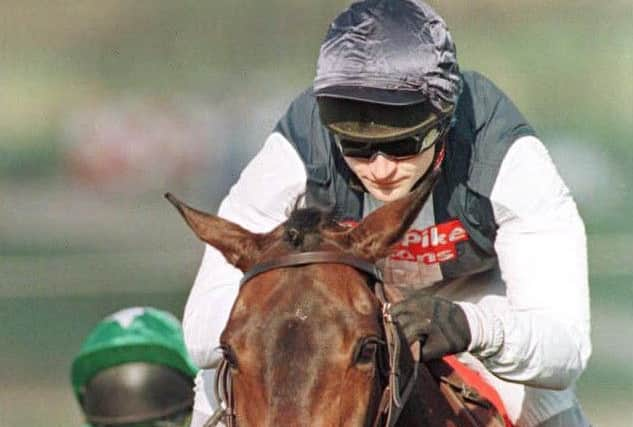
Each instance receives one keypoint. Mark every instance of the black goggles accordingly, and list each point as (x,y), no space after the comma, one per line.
(398,149)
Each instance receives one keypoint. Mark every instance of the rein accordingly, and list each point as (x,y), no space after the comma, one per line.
(393,396)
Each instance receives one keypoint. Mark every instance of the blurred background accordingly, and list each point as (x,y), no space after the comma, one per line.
(104,106)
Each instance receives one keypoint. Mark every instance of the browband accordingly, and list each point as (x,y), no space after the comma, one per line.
(317,257)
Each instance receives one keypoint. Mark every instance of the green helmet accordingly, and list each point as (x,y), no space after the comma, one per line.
(127,337)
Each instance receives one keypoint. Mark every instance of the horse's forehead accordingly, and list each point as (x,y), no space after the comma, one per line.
(331,297)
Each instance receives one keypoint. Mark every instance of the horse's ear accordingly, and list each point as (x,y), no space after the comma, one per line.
(375,236)
(240,247)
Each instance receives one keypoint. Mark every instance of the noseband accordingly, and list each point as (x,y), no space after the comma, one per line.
(393,396)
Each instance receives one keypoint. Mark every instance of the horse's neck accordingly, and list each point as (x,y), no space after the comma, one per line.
(427,407)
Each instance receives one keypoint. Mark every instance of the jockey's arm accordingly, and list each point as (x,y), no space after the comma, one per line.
(259,201)
(541,336)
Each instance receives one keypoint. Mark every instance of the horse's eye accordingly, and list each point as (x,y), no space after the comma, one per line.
(229,356)
(366,351)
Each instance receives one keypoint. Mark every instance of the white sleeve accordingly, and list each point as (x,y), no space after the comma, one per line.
(261,199)
(541,336)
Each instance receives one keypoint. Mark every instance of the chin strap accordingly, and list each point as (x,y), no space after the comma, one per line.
(440,154)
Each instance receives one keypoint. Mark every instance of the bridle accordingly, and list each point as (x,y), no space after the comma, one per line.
(393,397)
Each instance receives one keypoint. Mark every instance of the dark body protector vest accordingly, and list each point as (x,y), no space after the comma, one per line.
(485,126)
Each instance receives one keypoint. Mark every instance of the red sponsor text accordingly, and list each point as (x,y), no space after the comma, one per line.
(431,245)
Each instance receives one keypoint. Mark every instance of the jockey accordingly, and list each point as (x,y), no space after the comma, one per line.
(494,268)
(133,369)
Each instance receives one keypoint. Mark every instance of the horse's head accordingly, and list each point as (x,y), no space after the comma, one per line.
(301,341)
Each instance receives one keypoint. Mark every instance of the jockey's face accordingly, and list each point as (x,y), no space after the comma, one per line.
(388,147)
(388,178)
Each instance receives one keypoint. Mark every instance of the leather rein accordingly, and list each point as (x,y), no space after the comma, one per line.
(393,397)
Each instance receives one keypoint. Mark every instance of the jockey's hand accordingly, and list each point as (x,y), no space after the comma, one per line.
(439,325)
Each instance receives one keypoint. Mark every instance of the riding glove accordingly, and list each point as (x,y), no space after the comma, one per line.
(439,325)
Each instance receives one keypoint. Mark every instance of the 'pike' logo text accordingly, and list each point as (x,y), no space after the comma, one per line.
(431,245)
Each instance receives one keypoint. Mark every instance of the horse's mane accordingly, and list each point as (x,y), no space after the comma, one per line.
(303,228)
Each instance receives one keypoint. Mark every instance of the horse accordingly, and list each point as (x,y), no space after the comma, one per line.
(309,340)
